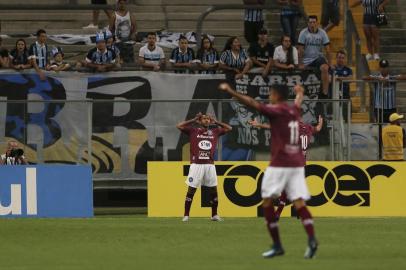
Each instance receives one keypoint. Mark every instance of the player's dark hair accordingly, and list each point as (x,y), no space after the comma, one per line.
(151,34)
(40,31)
(289,54)
(282,90)
(313,17)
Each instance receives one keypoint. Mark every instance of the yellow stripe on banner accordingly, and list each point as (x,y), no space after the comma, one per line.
(338,189)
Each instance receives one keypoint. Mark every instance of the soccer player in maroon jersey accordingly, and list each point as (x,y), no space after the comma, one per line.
(286,170)
(306,132)
(202,172)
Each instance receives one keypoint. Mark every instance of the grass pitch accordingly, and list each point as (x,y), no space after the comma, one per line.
(137,242)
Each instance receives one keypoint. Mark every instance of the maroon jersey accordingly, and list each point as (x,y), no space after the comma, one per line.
(306,133)
(203,143)
(284,120)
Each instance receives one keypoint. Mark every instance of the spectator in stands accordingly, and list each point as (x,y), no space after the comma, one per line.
(101,59)
(57,64)
(384,92)
(393,139)
(311,42)
(234,59)
(207,57)
(19,56)
(253,20)
(4,56)
(40,53)
(151,56)
(110,43)
(290,15)
(286,55)
(261,53)
(14,155)
(183,57)
(371,9)
(122,24)
(342,71)
(95,23)
(330,14)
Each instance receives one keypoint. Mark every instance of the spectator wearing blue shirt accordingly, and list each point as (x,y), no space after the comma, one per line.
(253,20)
(234,60)
(101,58)
(183,57)
(207,57)
(40,54)
(342,72)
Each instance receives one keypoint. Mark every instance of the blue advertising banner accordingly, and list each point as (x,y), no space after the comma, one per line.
(60,191)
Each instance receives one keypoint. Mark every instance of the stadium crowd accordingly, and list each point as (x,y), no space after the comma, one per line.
(309,50)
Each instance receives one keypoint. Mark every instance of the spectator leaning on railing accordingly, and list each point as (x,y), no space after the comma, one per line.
(122,24)
(101,59)
(384,91)
(286,55)
(183,57)
(40,54)
(253,20)
(207,57)
(290,15)
(261,53)
(4,56)
(57,64)
(234,59)
(151,56)
(393,139)
(311,42)
(13,155)
(19,56)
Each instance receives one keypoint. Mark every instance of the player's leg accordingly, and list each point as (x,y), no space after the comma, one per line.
(188,202)
(307,221)
(193,181)
(297,192)
(281,204)
(214,201)
(210,181)
(273,183)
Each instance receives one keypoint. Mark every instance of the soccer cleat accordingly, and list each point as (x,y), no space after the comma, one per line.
(311,249)
(185,219)
(369,57)
(273,252)
(216,218)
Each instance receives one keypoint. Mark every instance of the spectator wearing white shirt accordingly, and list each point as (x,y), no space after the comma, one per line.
(286,55)
(151,56)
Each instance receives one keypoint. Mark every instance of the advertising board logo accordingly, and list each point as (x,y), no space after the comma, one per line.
(345,185)
(15,205)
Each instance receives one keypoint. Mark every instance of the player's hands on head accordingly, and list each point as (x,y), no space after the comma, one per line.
(254,123)
(212,118)
(197,117)
(224,87)
(299,89)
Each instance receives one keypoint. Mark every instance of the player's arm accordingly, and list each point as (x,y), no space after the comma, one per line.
(256,124)
(182,125)
(319,124)
(226,127)
(244,99)
(299,90)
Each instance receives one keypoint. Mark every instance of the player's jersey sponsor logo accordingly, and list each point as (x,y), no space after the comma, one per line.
(205,145)
(204,155)
(204,137)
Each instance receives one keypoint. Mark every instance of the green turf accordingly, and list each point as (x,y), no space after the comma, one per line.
(137,242)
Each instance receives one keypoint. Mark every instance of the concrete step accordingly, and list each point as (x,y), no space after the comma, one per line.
(67,16)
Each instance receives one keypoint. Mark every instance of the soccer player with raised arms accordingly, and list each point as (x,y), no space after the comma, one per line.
(286,170)
(202,172)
